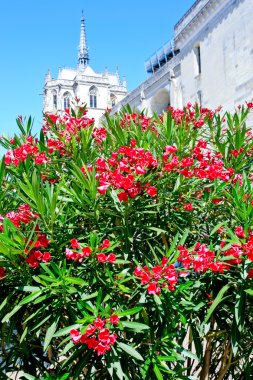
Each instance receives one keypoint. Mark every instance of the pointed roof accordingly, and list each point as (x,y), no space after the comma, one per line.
(83,56)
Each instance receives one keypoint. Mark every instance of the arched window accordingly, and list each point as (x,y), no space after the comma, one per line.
(113,100)
(54,100)
(66,100)
(93,97)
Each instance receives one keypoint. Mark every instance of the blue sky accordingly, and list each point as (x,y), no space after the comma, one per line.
(39,35)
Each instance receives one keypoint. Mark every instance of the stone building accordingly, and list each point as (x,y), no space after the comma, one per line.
(98,90)
(209,60)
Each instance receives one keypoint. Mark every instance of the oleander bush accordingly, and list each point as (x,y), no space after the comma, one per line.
(126,250)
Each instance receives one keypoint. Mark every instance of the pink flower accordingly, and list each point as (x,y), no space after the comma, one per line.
(75,335)
(69,254)
(102,189)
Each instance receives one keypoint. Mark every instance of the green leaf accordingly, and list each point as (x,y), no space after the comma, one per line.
(189,354)
(28,377)
(219,298)
(31,297)
(130,350)
(24,334)
(49,334)
(239,310)
(135,325)
(129,311)
(158,373)
(249,291)
(66,330)
(11,313)
(75,280)
(28,288)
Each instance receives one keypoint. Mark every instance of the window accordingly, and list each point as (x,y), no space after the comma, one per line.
(55,101)
(113,100)
(198,59)
(93,97)
(66,100)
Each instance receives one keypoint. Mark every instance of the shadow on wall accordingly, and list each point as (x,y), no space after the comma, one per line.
(160,101)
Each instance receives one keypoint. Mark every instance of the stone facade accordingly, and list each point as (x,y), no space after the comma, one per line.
(98,90)
(209,61)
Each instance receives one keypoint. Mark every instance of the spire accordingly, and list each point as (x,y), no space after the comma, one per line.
(83,56)
(48,76)
(117,74)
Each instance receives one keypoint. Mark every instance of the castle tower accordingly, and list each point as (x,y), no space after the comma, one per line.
(83,55)
(99,91)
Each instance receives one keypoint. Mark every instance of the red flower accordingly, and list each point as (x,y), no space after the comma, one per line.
(123,196)
(2,273)
(114,319)
(38,255)
(74,244)
(250,274)
(133,142)
(111,258)
(188,207)
(53,118)
(216,201)
(46,257)
(103,335)
(86,251)
(102,348)
(105,244)
(239,232)
(151,190)
(152,288)
(101,257)
(99,323)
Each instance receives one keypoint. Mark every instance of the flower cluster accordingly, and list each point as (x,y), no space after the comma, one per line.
(22,152)
(35,256)
(99,134)
(201,164)
(78,252)
(134,119)
(191,114)
(67,125)
(160,276)
(24,215)
(97,336)
(237,250)
(200,259)
(123,171)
